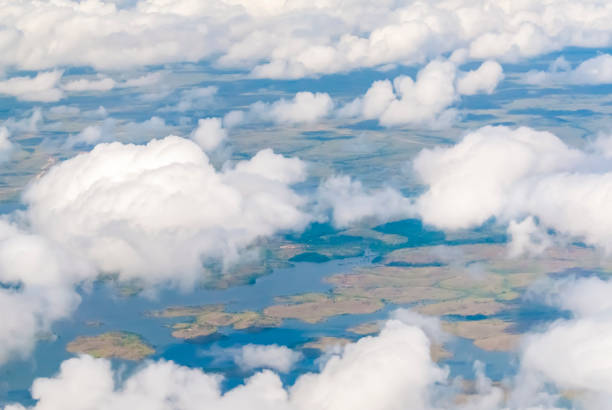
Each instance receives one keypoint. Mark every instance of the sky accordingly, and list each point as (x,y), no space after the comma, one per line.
(144,138)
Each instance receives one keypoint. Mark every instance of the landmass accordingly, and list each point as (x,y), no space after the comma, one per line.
(487,334)
(454,282)
(208,319)
(316,307)
(326,343)
(120,345)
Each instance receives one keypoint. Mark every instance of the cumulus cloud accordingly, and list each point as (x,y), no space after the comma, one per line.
(37,277)
(43,87)
(426,100)
(279,358)
(482,80)
(377,372)
(351,203)
(304,108)
(209,134)
(596,70)
(154,227)
(572,353)
(92,134)
(511,174)
(153,213)
(289,39)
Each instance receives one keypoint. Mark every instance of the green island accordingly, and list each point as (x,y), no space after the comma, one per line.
(120,345)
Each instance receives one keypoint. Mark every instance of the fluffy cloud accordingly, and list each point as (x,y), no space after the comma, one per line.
(572,353)
(596,70)
(304,108)
(289,39)
(37,277)
(482,80)
(350,203)
(152,211)
(279,358)
(378,372)
(510,174)
(209,134)
(424,101)
(43,87)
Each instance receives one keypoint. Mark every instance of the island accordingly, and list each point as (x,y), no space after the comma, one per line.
(119,345)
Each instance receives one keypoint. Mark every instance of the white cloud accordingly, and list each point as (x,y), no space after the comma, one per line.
(572,353)
(482,80)
(26,125)
(111,129)
(169,207)
(527,238)
(153,212)
(209,134)
(381,372)
(424,101)
(509,174)
(84,84)
(43,87)
(145,80)
(279,358)
(290,39)
(194,98)
(596,70)
(304,108)
(92,134)
(350,203)
(6,146)
(39,276)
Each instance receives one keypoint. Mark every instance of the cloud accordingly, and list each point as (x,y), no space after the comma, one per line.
(145,80)
(289,39)
(193,99)
(482,80)
(92,134)
(511,174)
(84,84)
(6,146)
(43,87)
(572,353)
(111,129)
(37,277)
(426,100)
(279,358)
(25,125)
(155,213)
(596,70)
(209,134)
(153,227)
(351,203)
(304,108)
(377,372)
